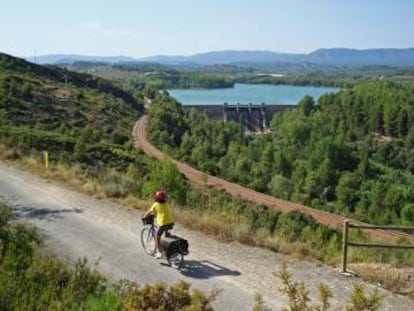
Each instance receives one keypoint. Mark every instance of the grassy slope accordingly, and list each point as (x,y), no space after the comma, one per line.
(54,98)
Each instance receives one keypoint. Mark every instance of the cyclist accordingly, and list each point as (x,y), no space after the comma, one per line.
(165,220)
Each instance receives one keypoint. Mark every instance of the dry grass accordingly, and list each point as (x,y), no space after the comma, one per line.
(90,188)
(223,228)
(30,163)
(9,153)
(399,280)
(296,249)
(70,176)
(217,225)
(134,202)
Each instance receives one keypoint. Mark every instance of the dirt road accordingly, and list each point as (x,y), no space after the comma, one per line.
(198,177)
(76,225)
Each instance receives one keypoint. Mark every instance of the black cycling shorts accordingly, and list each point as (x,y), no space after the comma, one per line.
(164,228)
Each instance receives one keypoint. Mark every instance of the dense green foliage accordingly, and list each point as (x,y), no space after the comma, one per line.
(314,79)
(351,153)
(143,76)
(33,280)
(187,80)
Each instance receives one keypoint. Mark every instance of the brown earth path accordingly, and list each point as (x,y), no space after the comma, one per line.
(201,178)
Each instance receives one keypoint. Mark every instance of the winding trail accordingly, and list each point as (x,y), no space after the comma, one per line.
(201,178)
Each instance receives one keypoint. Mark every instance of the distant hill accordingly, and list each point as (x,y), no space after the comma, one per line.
(351,57)
(324,57)
(71,58)
(228,57)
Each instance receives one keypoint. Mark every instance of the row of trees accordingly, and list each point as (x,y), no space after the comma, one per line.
(163,80)
(350,153)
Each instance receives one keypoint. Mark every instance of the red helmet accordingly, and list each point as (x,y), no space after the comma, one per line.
(160,196)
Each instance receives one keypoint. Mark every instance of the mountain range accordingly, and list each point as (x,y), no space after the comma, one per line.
(328,57)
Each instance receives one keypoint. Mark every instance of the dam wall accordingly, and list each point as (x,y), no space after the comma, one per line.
(255,118)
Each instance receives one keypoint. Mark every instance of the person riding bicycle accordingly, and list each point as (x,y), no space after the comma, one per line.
(165,219)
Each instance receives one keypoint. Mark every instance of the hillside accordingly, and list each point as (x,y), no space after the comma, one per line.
(324,57)
(59,96)
(50,108)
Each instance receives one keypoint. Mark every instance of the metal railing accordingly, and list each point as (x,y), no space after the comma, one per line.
(345,243)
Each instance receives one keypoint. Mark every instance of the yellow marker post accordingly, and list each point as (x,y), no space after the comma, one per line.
(46,157)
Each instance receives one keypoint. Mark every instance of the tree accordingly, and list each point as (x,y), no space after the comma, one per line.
(165,175)
(306,105)
(13,87)
(379,121)
(166,123)
(3,116)
(403,123)
(281,165)
(347,189)
(280,187)
(407,215)
(409,139)
(391,120)
(27,89)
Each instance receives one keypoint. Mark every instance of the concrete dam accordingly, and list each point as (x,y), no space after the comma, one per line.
(255,118)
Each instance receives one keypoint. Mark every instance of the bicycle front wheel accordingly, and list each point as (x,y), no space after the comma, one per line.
(148,240)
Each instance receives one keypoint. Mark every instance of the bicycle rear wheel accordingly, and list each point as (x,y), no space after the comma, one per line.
(176,260)
(148,240)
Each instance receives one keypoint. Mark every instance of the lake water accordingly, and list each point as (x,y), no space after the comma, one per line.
(249,93)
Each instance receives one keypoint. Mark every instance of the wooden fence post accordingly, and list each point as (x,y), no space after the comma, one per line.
(345,245)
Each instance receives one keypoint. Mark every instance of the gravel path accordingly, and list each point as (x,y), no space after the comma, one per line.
(76,225)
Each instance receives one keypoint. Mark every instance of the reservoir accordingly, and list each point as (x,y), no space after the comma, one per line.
(249,93)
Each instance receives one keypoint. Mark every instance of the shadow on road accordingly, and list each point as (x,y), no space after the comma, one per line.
(40,213)
(205,269)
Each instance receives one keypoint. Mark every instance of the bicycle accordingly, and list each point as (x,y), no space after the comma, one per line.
(173,247)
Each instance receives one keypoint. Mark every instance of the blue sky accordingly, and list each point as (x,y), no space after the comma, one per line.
(141,28)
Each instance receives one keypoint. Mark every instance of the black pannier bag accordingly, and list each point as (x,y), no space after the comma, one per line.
(174,244)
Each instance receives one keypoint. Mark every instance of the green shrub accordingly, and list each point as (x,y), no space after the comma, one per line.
(117,185)
(33,280)
(167,298)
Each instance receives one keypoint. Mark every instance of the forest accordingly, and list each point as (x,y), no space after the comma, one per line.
(349,153)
